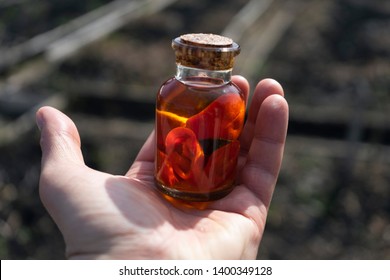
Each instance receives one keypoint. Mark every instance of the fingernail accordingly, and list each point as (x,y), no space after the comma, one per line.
(39,119)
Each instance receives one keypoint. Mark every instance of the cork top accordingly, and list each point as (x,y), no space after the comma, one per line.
(205,51)
(208,40)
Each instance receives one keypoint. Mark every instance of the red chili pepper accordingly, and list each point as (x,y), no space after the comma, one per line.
(221,165)
(166,121)
(222,119)
(166,174)
(189,173)
(184,153)
(184,164)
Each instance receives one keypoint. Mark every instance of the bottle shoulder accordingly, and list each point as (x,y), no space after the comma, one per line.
(196,84)
(191,98)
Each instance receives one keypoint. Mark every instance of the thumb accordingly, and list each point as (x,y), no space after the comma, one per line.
(60,140)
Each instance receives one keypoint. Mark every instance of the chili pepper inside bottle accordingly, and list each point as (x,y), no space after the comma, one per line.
(199,118)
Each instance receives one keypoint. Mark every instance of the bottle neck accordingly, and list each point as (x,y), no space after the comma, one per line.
(189,75)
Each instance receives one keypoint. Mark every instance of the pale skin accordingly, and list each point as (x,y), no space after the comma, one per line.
(105,216)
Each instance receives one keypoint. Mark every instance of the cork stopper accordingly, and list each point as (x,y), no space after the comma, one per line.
(205,51)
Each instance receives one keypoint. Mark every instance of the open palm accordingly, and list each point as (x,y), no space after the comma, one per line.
(124,217)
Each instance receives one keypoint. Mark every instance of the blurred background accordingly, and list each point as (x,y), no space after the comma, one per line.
(102,62)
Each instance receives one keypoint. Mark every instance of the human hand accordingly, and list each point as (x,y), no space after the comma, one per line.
(103,216)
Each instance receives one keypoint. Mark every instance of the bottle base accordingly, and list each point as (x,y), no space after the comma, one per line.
(194,196)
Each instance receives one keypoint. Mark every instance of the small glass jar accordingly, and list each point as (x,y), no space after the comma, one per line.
(199,117)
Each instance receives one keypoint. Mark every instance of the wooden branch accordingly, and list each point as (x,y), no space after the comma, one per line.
(26,122)
(265,34)
(105,24)
(245,18)
(65,39)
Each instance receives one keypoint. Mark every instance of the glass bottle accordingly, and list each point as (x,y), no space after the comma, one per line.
(199,118)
